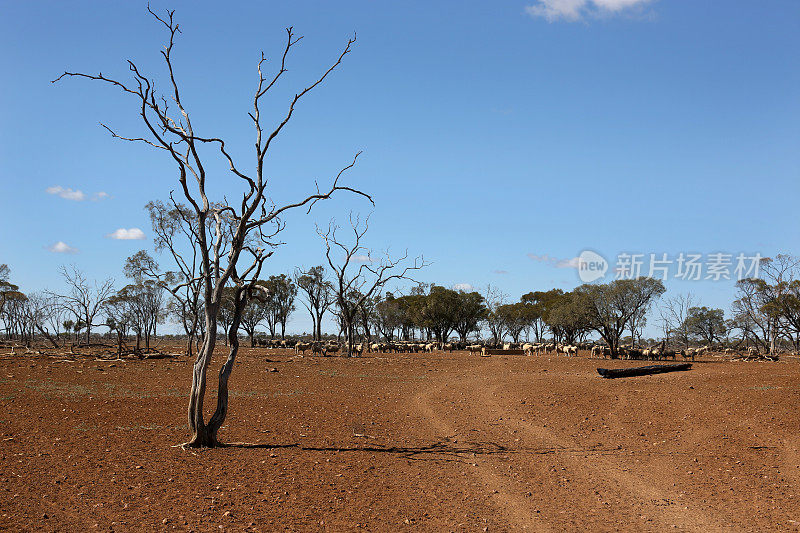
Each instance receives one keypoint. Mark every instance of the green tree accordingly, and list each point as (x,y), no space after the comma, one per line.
(568,314)
(471,310)
(611,305)
(706,324)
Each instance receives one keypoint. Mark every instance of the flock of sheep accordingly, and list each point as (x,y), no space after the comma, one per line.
(658,352)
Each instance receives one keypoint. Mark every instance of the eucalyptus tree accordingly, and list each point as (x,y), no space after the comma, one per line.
(568,314)
(768,308)
(144,301)
(233,239)
(440,312)
(611,306)
(317,293)
(515,318)
(470,312)
(388,315)
(706,324)
(282,293)
(10,301)
(8,290)
(174,233)
(255,311)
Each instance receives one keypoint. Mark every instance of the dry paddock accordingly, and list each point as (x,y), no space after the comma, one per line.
(401,442)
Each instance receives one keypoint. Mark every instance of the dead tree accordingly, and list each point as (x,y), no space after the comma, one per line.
(223,231)
(83,300)
(354,285)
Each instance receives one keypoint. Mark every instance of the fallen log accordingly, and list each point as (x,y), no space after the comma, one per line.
(497,351)
(641,370)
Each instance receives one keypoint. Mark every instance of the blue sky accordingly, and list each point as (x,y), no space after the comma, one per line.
(492,131)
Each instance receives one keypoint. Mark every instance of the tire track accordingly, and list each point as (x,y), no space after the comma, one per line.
(634,497)
(611,475)
(509,497)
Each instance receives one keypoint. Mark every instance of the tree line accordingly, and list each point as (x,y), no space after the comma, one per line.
(765,313)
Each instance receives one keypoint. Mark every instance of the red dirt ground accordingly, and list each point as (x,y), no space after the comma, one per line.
(443,442)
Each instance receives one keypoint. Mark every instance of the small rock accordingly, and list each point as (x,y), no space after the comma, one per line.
(165,521)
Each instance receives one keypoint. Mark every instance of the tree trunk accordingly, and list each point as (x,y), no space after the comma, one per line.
(218,418)
(642,370)
(49,337)
(314,327)
(200,435)
(319,326)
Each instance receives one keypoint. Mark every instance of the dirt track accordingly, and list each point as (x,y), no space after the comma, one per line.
(402,442)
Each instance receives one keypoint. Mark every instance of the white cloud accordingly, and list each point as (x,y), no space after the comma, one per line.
(61,248)
(122,234)
(618,5)
(67,194)
(556,9)
(466,287)
(361,258)
(556,262)
(74,194)
(568,263)
(574,10)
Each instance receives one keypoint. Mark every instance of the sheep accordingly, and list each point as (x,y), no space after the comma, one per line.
(528,348)
(598,350)
(317,348)
(668,353)
(633,353)
(331,348)
(301,347)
